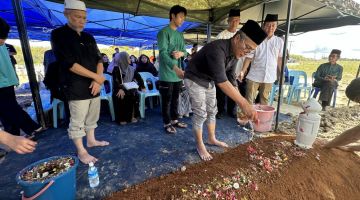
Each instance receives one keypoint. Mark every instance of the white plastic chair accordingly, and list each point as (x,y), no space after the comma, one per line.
(108,96)
(146,76)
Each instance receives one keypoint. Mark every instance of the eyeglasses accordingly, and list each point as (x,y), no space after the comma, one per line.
(247,47)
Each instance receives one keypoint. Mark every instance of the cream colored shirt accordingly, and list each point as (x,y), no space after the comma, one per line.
(225,34)
(264,60)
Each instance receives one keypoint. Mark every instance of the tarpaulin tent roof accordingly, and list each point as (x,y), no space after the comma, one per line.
(108,27)
(307,15)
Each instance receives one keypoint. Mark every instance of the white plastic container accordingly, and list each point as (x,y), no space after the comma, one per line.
(308,124)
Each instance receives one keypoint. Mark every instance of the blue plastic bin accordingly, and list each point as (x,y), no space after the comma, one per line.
(62,187)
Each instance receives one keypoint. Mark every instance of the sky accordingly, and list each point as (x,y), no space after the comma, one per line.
(317,44)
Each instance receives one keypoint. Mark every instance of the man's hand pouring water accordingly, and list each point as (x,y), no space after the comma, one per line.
(250,112)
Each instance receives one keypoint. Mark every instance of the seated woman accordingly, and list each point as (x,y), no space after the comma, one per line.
(105,60)
(327,76)
(144,65)
(126,102)
(133,61)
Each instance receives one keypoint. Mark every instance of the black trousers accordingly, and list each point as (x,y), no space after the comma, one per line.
(221,100)
(12,116)
(170,99)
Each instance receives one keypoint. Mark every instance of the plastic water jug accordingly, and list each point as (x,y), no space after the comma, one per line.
(308,124)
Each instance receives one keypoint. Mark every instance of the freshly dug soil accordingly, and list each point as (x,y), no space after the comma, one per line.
(267,168)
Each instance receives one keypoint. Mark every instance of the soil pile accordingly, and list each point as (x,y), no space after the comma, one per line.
(268,168)
(333,122)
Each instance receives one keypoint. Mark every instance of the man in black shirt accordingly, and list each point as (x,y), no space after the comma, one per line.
(12,53)
(208,67)
(82,72)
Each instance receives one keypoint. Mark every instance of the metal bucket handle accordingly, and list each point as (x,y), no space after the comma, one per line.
(39,193)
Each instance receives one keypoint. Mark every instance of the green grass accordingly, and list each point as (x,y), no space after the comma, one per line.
(350,67)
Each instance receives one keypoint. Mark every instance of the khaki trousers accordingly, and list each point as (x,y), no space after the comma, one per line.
(252,88)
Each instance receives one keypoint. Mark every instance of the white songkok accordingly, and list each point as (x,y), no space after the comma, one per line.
(74,5)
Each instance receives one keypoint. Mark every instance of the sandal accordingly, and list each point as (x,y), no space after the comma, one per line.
(179,124)
(170,129)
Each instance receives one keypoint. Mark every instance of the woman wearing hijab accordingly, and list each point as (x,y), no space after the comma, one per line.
(133,61)
(126,102)
(144,65)
(105,60)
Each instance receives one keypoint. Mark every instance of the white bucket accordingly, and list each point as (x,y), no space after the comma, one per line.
(307,129)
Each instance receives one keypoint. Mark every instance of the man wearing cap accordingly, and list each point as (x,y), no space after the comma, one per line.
(265,62)
(12,116)
(327,76)
(233,23)
(208,68)
(82,68)
(352,135)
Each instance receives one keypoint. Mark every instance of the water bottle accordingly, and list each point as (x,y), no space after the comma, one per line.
(93,175)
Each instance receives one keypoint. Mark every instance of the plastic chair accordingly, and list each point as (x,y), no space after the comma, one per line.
(316,90)
(146,76)
(296,87)
(108,96)
(45,103)
(274,90)
(55,104)
(275,87)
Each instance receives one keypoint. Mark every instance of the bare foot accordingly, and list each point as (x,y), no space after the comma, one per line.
(203,153)
(218,143)
(97,143)
(86,158)
(134,120)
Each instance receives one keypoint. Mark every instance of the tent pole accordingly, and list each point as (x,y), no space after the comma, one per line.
(208,26)
(154,50)
(208,31)
(20,21)
(288,17)
(263,14)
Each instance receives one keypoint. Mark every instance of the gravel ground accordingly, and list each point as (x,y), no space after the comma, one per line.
(334,121)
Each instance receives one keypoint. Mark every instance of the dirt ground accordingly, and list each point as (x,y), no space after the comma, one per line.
(266,168)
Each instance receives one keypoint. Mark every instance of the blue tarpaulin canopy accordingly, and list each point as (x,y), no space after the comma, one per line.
(108,27)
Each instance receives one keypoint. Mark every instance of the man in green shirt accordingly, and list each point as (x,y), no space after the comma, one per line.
(327,76)
(171,48)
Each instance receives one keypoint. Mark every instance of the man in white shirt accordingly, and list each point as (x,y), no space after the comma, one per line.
(265,61)
(233,22)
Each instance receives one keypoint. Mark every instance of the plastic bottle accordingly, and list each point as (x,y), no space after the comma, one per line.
(93,175)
